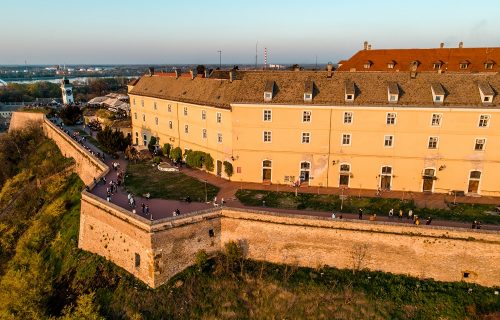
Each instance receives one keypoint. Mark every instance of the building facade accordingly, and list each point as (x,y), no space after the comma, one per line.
(419,132)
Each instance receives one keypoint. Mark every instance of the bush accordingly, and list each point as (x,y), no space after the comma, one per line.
(176,154)
(166,149)
(194,159)
(152,144)
(208,162)
(228,169)
(156,160)
(201,260)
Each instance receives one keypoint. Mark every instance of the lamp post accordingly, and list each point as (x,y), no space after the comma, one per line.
(206,194)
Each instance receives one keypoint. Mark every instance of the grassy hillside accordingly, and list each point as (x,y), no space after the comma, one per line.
(44,275)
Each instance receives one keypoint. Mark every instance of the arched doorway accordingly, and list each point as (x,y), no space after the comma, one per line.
(429,177)
(305,171)
(266,171)
(474,178)
(386,178)
(344,175)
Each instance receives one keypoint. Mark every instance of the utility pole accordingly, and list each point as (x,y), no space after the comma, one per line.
(256,54)
(316,62)
(220,58)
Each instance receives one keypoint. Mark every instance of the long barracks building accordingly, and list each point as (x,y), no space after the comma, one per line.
(422,120)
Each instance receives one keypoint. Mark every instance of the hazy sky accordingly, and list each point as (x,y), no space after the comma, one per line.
(189,31)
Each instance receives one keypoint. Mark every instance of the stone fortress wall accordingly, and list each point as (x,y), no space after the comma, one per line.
(154,251)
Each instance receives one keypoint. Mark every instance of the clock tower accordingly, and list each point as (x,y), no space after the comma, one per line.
(67,91)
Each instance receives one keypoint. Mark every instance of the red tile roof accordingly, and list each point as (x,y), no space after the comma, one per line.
(451,59)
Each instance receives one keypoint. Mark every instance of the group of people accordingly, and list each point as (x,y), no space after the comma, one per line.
(410,216)
(476,224)
(216,204)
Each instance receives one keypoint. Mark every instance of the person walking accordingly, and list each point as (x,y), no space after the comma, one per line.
(333,215)
(143,206)
(410,214)
(360,213)
(391,213)
(400,214)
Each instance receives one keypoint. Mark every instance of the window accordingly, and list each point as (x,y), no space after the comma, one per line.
(211,233)
(133,101)
(142,103)
(391,118)
(170,126)
(367,65)
(143,117)
(464,66)
(169,108)
(345,167)
(268,95)
(204,133)
(438,98)
(436,66)
(185,111)
(393,97)
(436,120)
(219,137)
(186,128)
(386,170)
(479,145)
(486,99)
(388,141)
(484,120)
(390,65)
(154,105)
(267,115)
(137,260)
(156,120)
(349,97)
(203,115)
(347,117)
(433,143)
(307,96)
(135,115)
(306,116)
(267,136)
(219,117)
(346,139)
(306,137)
(488,65)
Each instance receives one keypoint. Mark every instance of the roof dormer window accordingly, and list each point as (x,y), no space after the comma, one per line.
(488,65)
(486,93)
(269,91)
(392,92)
(438,93)
(350,91)
(308,91)
(437,65)
(464,64)
(367,64)
(391,64)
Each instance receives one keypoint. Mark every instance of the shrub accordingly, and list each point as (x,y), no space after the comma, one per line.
(152,144)
(176,154)
(166,149)
(70,115)
(112,140)
(201,260)
(228,169)
(208,162)
(156,160)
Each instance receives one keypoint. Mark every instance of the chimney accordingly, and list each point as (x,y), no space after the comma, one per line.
(329,69)
(177,73)
(231,76)
(441,45)
(369,47)
(461,45)
(365,45)
(151,71)
(193,74)
(207,73)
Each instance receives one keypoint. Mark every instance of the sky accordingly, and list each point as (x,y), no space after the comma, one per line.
(191,31)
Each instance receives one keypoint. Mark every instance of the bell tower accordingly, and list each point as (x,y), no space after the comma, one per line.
(67,91)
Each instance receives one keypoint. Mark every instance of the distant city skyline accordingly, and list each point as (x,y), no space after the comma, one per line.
(191,32)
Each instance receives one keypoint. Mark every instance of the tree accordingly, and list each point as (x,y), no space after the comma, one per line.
(176,154)
(70,115)
(112,140)
(208,162)
(86,309)
(166,149)
(228,169)
(152,144)
(200,69)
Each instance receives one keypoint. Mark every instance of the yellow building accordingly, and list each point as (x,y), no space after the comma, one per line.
(427,131)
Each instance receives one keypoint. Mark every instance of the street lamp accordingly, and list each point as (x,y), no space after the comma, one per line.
(220,58)
(206,194)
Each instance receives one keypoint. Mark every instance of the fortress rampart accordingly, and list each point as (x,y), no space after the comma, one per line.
(154,251)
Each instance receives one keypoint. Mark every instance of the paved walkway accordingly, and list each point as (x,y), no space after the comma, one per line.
(161,208)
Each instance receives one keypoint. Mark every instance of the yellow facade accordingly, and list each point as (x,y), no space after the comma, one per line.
(322,161)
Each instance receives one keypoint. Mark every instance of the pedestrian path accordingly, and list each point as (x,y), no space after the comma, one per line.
(162,208)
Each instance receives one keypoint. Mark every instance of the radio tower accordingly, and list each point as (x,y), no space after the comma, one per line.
(265,58)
